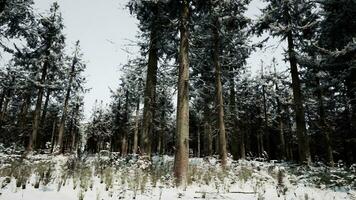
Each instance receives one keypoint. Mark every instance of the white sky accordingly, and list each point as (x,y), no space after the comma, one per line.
(105,29)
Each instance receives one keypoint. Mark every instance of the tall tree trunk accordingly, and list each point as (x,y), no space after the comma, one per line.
(182,144)
(303,143)
(60,147)
(40,144)
(150,93)
(220,101)
(137,122)
(37,113)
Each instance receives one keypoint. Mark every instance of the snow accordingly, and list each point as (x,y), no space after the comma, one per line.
(112,177)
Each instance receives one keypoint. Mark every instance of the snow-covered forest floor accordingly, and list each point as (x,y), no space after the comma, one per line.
(108,176)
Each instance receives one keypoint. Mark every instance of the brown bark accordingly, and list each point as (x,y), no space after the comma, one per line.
(182,143)
(220,101)
(303,143)
(149,94)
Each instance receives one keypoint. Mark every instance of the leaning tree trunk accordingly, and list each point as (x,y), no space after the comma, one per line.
(182,144)
(220,101)
(59,146)
(36,117)
(303,143)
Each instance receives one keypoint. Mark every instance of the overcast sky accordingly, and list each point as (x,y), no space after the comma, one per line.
(105,29)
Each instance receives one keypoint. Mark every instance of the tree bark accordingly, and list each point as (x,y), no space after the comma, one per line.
(182,144)
(37,113)
(220,101)
(150,90)
(60,147)
(303,143)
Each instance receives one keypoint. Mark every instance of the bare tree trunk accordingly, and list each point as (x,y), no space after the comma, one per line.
(182,144)
(43,118)
(137,121)
(37,113)
(150,93)
(303,142)
(220,101)
(60,147)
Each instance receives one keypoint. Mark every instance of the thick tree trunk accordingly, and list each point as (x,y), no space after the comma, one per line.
(220,101)
(137,122)
(303,143)
(60,147)
(182,144)
(40,143)
(37,113)
(150,93)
